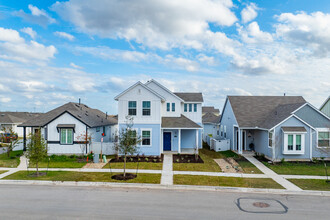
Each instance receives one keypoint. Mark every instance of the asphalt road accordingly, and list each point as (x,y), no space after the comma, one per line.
(58,202)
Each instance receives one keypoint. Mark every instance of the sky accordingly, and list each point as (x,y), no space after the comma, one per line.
(53,52)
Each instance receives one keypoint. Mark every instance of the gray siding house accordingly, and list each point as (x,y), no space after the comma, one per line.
(277,126)
(325,107)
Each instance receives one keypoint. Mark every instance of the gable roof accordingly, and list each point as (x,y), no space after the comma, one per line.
(206,109)
(144,86)
(263,111)
(210,117)
(178,122)
(89,116)
(163,87)
(16,117)
(325,102)
(190,96)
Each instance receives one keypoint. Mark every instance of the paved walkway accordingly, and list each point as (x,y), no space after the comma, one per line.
(271,174)
(167,172)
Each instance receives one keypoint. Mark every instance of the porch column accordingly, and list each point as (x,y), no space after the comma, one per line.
(239,141)
(24,138)
(179,140)
(197,140)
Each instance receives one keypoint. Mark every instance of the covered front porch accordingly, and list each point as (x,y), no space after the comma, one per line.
(178,140)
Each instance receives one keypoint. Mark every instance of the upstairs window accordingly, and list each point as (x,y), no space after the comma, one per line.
(323,138)
(66,136)
(190,107)
(132,108)
(146,108)
(173,107)
(185,107)
(168,106)
(195,107)
(221,130)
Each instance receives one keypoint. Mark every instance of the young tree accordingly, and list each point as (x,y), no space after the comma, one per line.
(36,149)
(127,141)
(11,139)
(84,139)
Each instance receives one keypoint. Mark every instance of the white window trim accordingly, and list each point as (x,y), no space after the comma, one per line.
(66,136)
(136,108)
(294,151)
(146,129)
(146,116)
(317,136)
(273,139)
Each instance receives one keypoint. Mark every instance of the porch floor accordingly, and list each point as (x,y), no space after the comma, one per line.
(183,151)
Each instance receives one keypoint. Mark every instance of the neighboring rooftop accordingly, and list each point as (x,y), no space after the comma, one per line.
(89,116)
(263,111)
(178,122)
(206,109)
(190,96)
(17,117)
(210,118)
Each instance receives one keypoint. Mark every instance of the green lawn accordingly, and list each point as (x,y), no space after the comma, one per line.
(246,165)
(310,184)
(84,176)
(60,161)
(225,181)
(209,164)
(11,161)
(299,168)
(133,165)
(3,171)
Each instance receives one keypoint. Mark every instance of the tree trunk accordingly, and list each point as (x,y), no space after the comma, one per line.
(37,168)
(125,165)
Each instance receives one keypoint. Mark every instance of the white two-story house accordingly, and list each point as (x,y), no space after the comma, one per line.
(165,120)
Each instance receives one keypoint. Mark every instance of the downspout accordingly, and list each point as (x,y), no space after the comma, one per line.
(86,141)
(24,138)
(310,144)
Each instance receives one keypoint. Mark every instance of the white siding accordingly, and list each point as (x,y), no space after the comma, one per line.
(139,94)
(194,116)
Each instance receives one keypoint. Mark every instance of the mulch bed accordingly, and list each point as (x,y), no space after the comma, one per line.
(121,176)
(35,174)
(151,159)
(187,158)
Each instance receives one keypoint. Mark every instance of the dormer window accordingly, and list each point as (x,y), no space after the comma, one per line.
(185,107)
(146,108)
(131,107)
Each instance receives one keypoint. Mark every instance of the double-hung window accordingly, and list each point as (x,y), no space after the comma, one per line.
(224,131)
(190,107)
(146,108)
(185,107)
(270,139)
(173,107)
(195,107)
(146,138)
(131,107)
(168,106)
(294,143)
(132,133)
(323,138)
(66,136)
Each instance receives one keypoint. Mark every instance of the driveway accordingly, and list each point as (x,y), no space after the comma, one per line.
(54,202)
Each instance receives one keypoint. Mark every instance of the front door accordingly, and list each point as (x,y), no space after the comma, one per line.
(167,141)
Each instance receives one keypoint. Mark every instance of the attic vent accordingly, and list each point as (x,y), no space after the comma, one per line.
(98,116)
(86,114)
(77,105)
(86,106)
(79,116)
(139,91)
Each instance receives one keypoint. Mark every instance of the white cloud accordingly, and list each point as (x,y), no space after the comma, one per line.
(64,35)
(5,99)
(253,34)
(37,16)
(155,24)
(29,31)
(75,66)
(181,63)
(249,13)
(306,30)
(14,47)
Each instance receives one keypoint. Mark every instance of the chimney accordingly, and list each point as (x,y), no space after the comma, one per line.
(79,101)
(106,115)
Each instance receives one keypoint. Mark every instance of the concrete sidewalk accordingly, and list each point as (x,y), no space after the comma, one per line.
(167,172)
(271,174)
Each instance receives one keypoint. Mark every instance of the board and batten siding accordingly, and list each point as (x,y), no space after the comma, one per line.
(326,108)
(194,116)
(53,135)
(228,119)
(139,94)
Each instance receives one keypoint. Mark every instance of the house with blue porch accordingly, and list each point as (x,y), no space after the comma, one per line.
(166,121)
(279,127)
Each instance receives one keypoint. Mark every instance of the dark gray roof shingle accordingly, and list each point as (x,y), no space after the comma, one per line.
(190,96)
(178,122)
(211,109)
(210,118)
(263,111)
(91,117)
(16,117)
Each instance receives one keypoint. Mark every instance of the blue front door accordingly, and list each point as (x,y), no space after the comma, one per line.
(167,141)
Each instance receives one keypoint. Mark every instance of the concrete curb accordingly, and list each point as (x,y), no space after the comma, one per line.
(166,187)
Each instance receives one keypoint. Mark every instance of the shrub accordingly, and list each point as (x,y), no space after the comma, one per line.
(177,160)
(147,159)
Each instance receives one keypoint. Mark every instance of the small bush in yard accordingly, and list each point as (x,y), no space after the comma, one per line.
(146,159)
(177,160)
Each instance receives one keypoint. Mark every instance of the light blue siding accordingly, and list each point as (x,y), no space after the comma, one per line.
(174,138)
(210,129)
(261,143)
(188,138)
(154,149)
(228,119)
(312,117)
(326,108)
